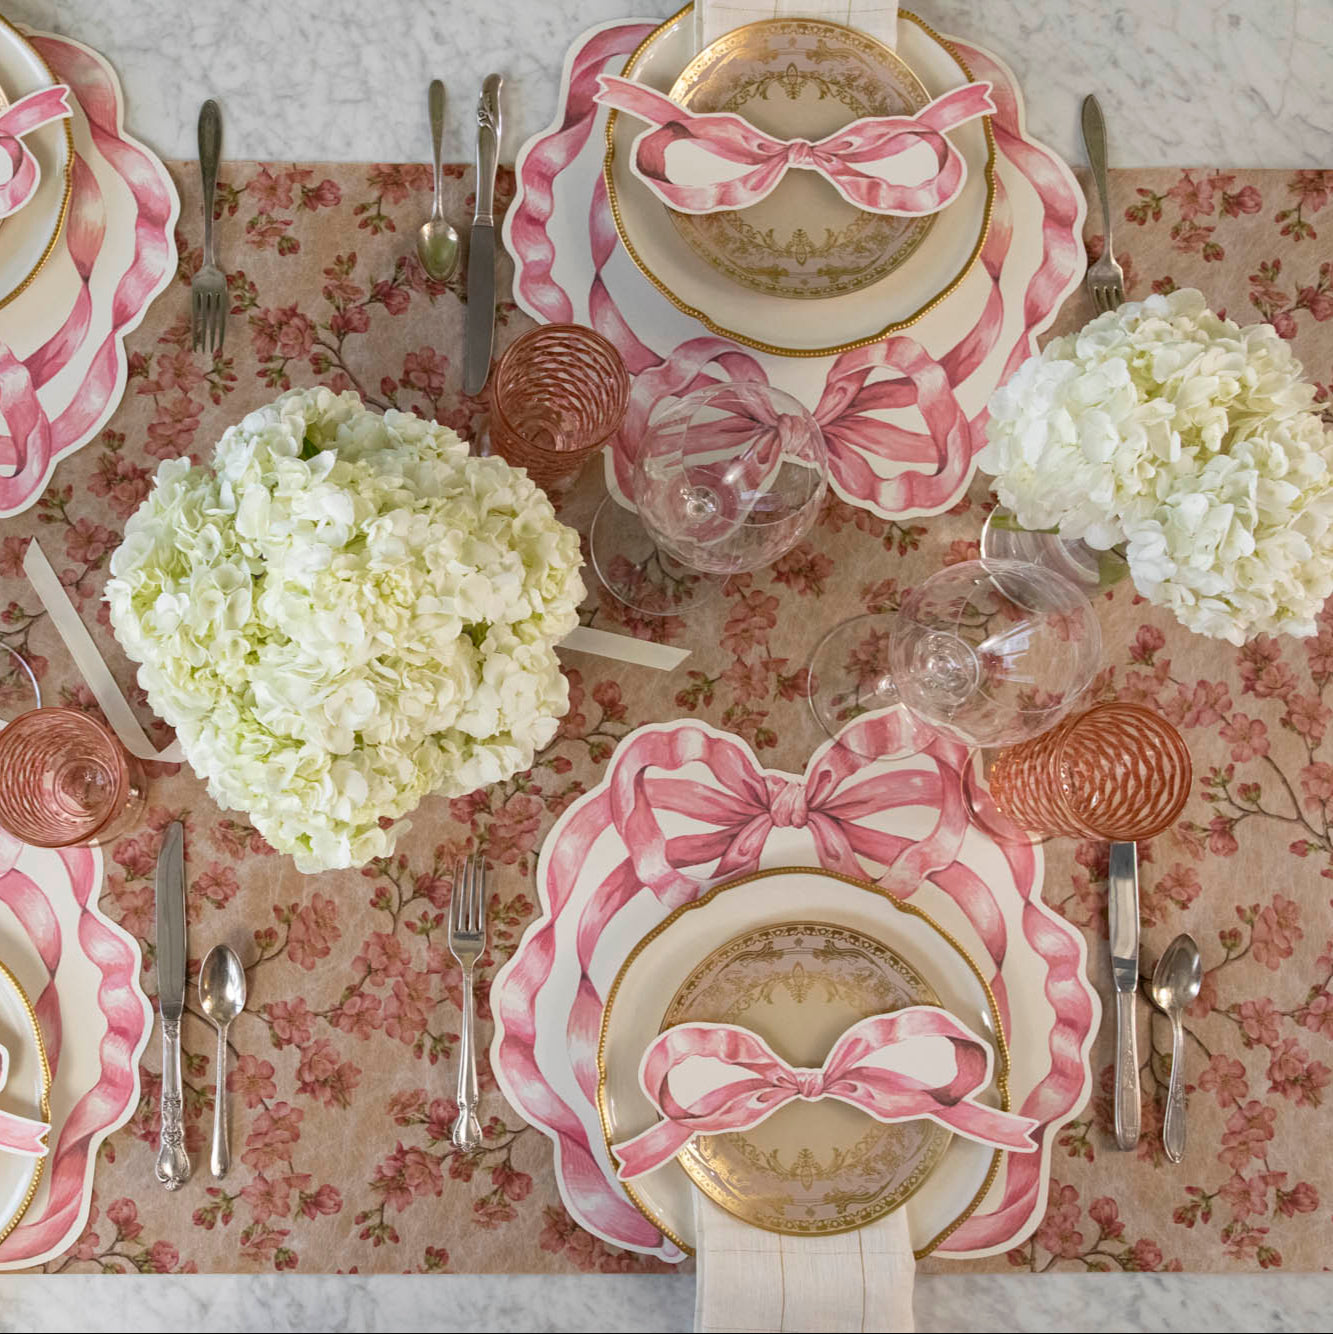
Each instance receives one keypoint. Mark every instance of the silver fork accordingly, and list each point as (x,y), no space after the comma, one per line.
(1106,279)
(208,291)
(467,941)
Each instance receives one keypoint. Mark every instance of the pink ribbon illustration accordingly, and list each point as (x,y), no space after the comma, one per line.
(762,1082)
(18,1134)
(20,172)
(847,158)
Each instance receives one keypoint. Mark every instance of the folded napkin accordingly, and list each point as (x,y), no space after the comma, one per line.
(749,1279)
(714,17)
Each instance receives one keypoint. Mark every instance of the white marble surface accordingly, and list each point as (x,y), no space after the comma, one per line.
(1226,82)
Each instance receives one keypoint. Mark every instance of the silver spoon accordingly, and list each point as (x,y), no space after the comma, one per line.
(1175,985)
(222,996)
(437,242)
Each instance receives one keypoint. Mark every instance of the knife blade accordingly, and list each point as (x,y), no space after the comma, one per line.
(173,1163)
(480,328)
(1122,904)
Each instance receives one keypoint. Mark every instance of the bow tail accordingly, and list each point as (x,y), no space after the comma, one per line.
(646,1152)
(24,176)
(989,1125)
(20,1135)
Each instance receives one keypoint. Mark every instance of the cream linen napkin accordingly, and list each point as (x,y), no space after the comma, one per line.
(714,17)
(753,1280)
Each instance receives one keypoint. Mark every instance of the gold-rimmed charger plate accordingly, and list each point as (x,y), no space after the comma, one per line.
(28,237)
(27,1092)
(812,1168)
(664,959)
(801,78)
(792,326)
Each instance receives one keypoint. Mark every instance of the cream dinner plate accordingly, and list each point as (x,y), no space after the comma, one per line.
(27,1092)
(678,967)
(801,78)
(790,326)
(28,237)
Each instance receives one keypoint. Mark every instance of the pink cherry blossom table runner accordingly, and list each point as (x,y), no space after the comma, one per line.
(342,1083)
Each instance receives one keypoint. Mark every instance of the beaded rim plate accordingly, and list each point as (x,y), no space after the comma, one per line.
(802,77)
(809,329)
(27,1090)
(811,1168)
(30,236)
(667,955)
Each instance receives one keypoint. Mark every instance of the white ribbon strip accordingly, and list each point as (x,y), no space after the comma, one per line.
(51,593)
(624,648)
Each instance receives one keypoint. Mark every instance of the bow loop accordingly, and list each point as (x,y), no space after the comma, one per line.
(711,1078)
(853,159)
(24,172)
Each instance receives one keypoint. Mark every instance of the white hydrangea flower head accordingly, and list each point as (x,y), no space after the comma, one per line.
(1192,441)
(343,613)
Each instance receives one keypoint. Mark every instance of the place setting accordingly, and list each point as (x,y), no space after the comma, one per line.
(739,698)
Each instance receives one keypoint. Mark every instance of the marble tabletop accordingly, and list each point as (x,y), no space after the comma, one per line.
(1218,82)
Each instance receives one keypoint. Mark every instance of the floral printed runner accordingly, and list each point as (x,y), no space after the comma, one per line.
(343,1075)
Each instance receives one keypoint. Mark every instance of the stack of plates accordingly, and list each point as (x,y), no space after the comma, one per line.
(802,77)
(816,1168)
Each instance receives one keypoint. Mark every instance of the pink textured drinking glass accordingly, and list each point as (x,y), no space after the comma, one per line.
(65,779)
(1117,772)
(558,395)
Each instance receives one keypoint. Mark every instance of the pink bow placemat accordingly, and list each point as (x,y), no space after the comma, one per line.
(63,365)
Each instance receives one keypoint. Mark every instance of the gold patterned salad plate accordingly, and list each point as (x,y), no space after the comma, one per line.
(805,953)
(684,263)
(27,1092)
(801,78)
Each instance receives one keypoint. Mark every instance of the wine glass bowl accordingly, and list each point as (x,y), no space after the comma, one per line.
(985,653)
(726,479)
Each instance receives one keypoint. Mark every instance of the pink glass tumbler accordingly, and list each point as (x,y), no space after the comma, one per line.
(65,779)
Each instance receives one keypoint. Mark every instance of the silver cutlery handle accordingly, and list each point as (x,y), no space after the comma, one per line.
(435,98)
(173,1163)
(220,1159)
(488,148)
(467,1129)
(1173,1126)
(1126,1072)
(1094,139)
(210,154)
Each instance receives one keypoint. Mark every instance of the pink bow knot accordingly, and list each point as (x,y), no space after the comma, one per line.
(707,1079)
(790,807)
(852,159)
(24,171)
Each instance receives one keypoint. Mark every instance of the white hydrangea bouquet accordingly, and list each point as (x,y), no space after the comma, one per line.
(343,613)
(1190,441)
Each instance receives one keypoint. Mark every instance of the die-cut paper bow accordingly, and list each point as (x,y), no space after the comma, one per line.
(17,1133)
(916,1062)
(20,172)
(853,159)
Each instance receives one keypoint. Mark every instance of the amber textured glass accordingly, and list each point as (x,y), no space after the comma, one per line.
(1118,772)
(558,395)
(65,779)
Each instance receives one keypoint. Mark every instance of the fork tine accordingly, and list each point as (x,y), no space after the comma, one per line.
(479,919)
(196,329)
(472,894)
(221,320)
(456,899)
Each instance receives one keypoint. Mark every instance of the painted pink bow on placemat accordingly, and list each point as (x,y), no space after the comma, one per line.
(19,1134)
(20,172)
(853,159)
(710,1078)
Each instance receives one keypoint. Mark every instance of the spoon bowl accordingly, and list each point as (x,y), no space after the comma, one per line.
(221,997)
(1175,985)
(438,244)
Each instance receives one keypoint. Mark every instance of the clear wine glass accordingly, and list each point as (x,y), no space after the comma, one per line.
(988,653)
(726,479)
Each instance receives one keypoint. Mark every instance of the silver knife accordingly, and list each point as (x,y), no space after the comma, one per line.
(481,245)
(1123,910)
(173,1163)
